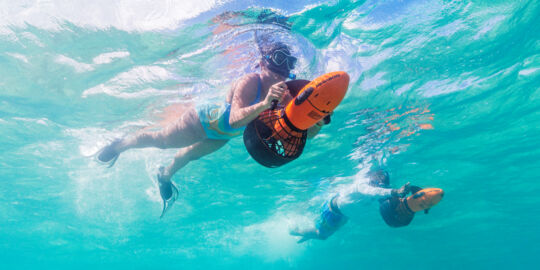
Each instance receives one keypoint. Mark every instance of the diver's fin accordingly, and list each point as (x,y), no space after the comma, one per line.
(167,191)
(107,155)
(414,189)
(167,203)
(109,163)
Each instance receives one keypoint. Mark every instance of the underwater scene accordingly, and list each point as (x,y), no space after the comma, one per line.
(427,155)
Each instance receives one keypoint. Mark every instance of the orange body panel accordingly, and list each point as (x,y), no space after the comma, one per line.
(424,199)
(317,99)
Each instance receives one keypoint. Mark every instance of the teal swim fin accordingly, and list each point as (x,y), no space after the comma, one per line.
(167,203)
(107,155)
(168,192)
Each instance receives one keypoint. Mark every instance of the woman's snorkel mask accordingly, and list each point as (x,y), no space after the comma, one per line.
(279,60)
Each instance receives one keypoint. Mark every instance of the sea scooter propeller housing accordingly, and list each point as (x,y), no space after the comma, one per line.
(278,135)
(398,212)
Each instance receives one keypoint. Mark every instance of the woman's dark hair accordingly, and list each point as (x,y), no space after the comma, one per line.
(379,178)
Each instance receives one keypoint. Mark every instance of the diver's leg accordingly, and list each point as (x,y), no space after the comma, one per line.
(183,157)
(184,132)
(190,153)
(306,234)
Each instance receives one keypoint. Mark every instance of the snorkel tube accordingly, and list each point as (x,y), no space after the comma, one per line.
(278,135)
(398,212)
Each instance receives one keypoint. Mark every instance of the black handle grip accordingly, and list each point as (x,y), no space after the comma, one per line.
(327,120)
(274,104)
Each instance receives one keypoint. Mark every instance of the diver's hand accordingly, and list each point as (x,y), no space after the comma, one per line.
(305,234)
(315,129)
(327,119)
(402,191)
(276,92)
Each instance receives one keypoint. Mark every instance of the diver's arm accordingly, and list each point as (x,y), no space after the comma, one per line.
(383,193)
(364,189)
(402,191)
(241,112)
(306,234)
(314,130)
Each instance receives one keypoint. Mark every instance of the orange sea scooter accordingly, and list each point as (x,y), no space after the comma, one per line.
(399,212)
(278,135)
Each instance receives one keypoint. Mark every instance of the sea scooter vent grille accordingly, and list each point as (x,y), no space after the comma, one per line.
(272,141)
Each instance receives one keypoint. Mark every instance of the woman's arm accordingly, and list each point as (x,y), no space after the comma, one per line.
(314,130)
(244,93)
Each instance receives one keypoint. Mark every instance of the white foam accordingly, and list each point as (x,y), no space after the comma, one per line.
(404,89)
(78,66)
(196,52)
(18,56)
(106,58)
(355,21)
(488,26)
(40,121)
(111,91)
(8,34)
(451,28)
(526,72)
(133,15)
(369,62)
(446,86)
(270,239)
(415,43)
(338,56)
(118,85)
(373,82)
(33,38)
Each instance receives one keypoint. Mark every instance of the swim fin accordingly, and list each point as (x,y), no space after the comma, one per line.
(167,191)
(107,155)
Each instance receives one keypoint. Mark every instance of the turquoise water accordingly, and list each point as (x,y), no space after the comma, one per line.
(443,94)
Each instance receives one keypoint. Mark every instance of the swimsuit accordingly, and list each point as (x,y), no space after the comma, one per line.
(215,118)
(330,219)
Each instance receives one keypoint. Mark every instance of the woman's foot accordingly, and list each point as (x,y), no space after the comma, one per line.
(165,186)
(167,190)
(305,234)
(109,154)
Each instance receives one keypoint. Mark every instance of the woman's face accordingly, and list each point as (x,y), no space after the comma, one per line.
(274,76)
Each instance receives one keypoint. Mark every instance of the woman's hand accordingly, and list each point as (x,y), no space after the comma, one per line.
(402,191)
(276,92)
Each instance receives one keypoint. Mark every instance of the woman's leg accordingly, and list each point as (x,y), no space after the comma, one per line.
(183,157)
(190,153)
(184,132)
